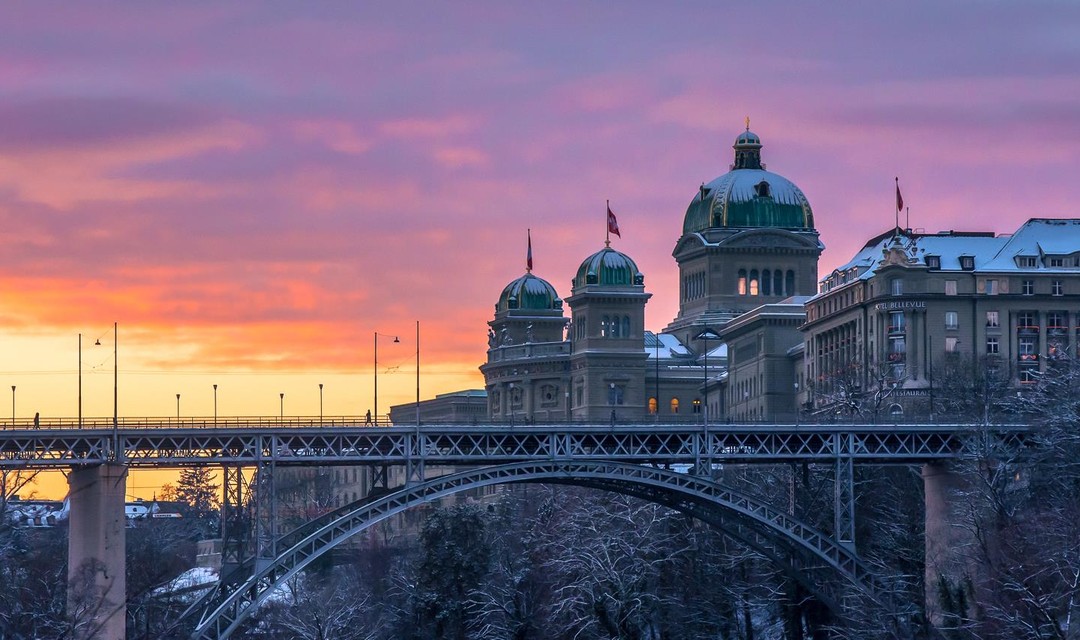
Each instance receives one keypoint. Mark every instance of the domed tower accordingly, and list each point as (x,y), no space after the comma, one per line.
(526,370)
(607,334)
(748,239)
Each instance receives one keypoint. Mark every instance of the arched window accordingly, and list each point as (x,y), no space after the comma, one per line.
(778,283)
(766,282)
(626,326)
(605,327)
(697,405)
(754,282)
(742,282)
(654,406)
(789,284)
(895,410)
(674,406)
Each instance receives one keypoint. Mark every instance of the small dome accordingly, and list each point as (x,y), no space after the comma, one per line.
(748,196)
(529,292)
(747,137)
(608,267)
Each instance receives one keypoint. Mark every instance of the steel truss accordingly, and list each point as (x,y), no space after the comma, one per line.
(824,566)
(415,447)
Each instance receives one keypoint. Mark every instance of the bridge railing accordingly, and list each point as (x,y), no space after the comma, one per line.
(329,422)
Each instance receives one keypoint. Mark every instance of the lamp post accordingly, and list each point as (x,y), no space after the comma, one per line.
(215,404)
(705,336)
(320,404)
(178,407)
(611,401)
(12,405)
(116,394)
(375,375)
(80,381)
(282,397)
(417,374)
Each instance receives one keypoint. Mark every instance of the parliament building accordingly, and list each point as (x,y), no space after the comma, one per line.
(757,336)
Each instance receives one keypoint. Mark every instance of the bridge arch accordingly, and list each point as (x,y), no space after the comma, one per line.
(810,556)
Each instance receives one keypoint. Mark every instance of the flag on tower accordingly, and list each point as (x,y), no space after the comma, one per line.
(899,198)
(528,256)
(612,223)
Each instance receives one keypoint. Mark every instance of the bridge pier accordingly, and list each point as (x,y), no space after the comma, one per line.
(97,578)
(951,547)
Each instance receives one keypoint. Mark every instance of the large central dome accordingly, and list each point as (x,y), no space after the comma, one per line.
(748,196)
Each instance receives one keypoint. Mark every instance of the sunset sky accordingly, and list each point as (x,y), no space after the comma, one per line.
(251,190)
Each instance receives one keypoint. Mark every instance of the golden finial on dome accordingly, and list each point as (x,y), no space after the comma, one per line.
(747,123)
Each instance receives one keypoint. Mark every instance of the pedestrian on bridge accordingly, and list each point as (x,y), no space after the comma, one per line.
(37,420)
(367,420)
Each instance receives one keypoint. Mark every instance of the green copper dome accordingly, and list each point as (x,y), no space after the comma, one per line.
(528,292)
(748,196)
(608,267)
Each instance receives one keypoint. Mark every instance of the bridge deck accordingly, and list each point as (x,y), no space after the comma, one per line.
(165,443)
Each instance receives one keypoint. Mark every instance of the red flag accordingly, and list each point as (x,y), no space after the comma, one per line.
(612,223)
(899,198)
(528,258)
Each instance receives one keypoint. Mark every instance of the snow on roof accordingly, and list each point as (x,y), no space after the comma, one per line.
(1036,237)
(664,345)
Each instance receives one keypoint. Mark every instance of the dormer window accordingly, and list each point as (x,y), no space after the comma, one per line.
(933,262)
(1055,262)
(1026,262)
(967,263)
(761,189)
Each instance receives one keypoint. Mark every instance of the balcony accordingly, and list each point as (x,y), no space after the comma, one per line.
(895,357)
(896,328)
(1028,358)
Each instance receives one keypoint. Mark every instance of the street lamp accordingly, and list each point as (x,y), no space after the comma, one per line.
(320,405)
(178,406)
(705,336)
(116,394)
(12,405)
(282,396)
(215,404)
(611,401)
(80,381)
(376,373)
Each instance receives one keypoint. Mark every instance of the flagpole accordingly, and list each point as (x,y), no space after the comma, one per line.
(896,214)
(607,224)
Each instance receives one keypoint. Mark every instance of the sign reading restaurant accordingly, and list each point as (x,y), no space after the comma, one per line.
(896,305)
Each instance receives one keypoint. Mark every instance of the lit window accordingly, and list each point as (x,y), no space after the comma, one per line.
(654,406)
(674,405)
(950,344)
(952,320)
(754,282)
(742,282)
(697,405)
(992,321)
(950,287)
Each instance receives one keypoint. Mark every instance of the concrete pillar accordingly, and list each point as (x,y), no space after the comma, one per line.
(951,547)
(97,581)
